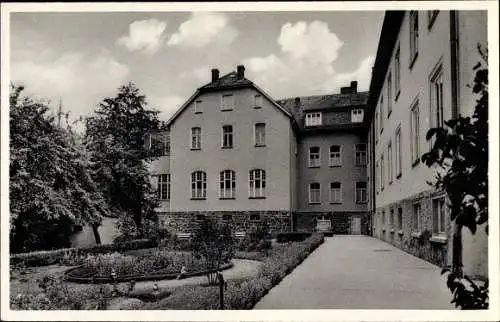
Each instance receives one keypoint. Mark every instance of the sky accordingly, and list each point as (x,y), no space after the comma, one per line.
(80,58)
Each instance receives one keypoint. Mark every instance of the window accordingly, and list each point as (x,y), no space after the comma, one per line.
(381,119)
(257,101)
(227,184)
(397,73)
(431,17)
(227,137)
(391,218)
(400,218)
(360,154)
(399,154)
(196,138)
(389,162)
(314,157)
(163,187)
(158,144)
(260,134)
(439,215)
(382,172)
(198,185)
(357,116)
(335,159)
(361,193)
(227,102)
(313,119)
(417,212)
(257,180)
(314,192)
(335,192)
(198,107)
(383,217)
(437,103)
(389,95)
(413,37)
(377,176)
(415,128)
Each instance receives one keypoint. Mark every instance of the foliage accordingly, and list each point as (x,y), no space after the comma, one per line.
(57,295)
(243,293)
(74,256)
(213,243)
(51,179)
(461,150)
(257,239)
(115,135)
(285,237)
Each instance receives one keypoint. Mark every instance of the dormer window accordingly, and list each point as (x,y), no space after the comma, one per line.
(313,119)
(227,102)
(357,116)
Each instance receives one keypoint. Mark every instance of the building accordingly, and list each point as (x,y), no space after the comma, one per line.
(234,153)
(423,65)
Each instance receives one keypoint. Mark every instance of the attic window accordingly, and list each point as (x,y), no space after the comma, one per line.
(313,119)
(198,107)
(357,116)
(257,101)
(227,102)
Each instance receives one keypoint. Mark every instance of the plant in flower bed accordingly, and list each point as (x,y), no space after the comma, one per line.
(159,261)
(244,293)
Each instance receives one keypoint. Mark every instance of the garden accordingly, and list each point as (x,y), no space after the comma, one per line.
(164,273)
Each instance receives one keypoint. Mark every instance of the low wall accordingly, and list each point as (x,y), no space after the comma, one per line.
(341,222)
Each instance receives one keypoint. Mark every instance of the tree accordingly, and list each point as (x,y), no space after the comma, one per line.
(51,185)
(214,244)
(116,137)
(461,150)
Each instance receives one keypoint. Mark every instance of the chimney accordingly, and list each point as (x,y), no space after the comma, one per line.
(354,87)
(215,75)
(297,107)
(240,71)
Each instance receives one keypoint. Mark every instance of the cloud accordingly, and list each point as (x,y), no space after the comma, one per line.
(81,80)
(167,105)
(304,65)
(201,74)
(144,35)
(203,28)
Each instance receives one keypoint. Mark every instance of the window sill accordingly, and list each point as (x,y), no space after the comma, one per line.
(397,95)
(260,145)
(228,198)
(257,107)
(383,229)
(226,147)
(398,176)
(438,239)
(336,203)
(226,109)
(400,232)
(390,182)
(314,203)
(334,166)
(389,113)
(198,112)
(361,202)
(198,198)
(392,231)
(416,234)
(256,197)
(195,149)
(415,163)
(315,166)
(413,59)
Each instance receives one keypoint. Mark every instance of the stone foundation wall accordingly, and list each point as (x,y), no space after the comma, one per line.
(418,242)
(341,221)
(186,222)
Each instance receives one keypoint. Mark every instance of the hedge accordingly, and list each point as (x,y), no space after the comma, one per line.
(285,237)
(49,257)
(245,293)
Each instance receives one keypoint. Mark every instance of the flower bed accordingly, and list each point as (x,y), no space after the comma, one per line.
(159,264)
(244,293)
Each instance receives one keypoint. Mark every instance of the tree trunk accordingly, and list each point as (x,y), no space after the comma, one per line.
(457,250)
(96,234)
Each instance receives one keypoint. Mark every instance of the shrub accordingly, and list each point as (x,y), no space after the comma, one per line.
(68,255)
(294,236)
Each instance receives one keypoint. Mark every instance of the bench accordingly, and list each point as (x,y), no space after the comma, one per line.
(239,234)
(183,235)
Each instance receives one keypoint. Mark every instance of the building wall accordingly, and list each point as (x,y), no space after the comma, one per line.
(348,174)
(274,158)
(433,48)
(158,166)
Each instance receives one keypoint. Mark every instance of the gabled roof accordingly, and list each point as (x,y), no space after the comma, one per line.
(228,81)
(322,102)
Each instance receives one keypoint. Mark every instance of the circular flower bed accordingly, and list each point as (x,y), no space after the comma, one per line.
(155,264)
